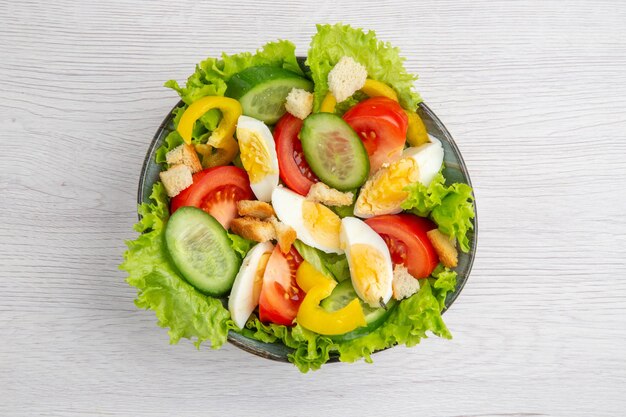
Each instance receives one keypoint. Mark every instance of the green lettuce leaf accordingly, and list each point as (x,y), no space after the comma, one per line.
(177,305)
(241,245)
(337,265)
(450,207)
(382,61)
(331,264)
(422,199)
(443,282)
(455,213)
(312,256)
(343,211)
(173,139)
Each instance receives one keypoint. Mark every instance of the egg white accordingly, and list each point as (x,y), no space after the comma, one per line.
(263,188)
(428,157)
(243,297)
(288,208)
(355,231)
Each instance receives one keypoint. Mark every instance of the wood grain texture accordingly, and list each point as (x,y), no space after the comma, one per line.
(534,93)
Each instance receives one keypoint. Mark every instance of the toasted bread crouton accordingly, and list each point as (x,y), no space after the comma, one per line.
(404,284)
(253,229)
(285,235)
(346,78)
(254,208)
(445,248)
(176,179)
(184,154)
(299,103)
(322,193)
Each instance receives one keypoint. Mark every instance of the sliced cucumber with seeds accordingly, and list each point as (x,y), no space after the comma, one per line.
(374,317)
(201,250)
(334,151)
(262,91)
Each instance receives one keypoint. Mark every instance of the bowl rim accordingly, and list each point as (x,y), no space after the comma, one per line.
(236,341)
(465,171)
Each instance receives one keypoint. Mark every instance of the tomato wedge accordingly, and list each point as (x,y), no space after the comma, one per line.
(280,295)
(405,236)
(216,191)
(293,168)
(381,123)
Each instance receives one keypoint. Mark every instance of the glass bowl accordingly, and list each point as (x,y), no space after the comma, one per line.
(455,171)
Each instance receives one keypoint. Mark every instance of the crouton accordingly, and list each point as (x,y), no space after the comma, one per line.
(176,179)
(346,78)
(253,208)
(404,284)
(184,154)
(253,229)
(299,103)
(322,193)
(285,235)
(445,248)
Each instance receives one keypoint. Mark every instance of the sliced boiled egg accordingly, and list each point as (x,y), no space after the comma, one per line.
(258,156)
(369,261)
(314,223)
(384,192)
(429,158)
(244,297)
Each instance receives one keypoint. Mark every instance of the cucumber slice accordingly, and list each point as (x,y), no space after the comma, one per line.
(334,151)
(201,250)
(374,317)
(262,91)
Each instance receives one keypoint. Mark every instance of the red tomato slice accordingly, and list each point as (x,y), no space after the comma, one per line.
(382,125)
(216,191)
(293,168)
(280,295)
(383,108)
(405,236)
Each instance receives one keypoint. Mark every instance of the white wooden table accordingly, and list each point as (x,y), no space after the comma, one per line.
(534,93)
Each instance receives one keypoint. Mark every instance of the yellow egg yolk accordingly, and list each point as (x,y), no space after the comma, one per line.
(384,192)
(322,223)
(369,275)
(258,275)
(255,155)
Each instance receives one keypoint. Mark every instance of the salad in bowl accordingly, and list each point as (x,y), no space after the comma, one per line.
(302,205)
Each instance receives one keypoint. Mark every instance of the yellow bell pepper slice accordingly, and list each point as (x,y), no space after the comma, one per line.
(307,277)
(416,133)
(328,104)
(230,108)
(313,317)
(214,157)
(375,88)
(221,148)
